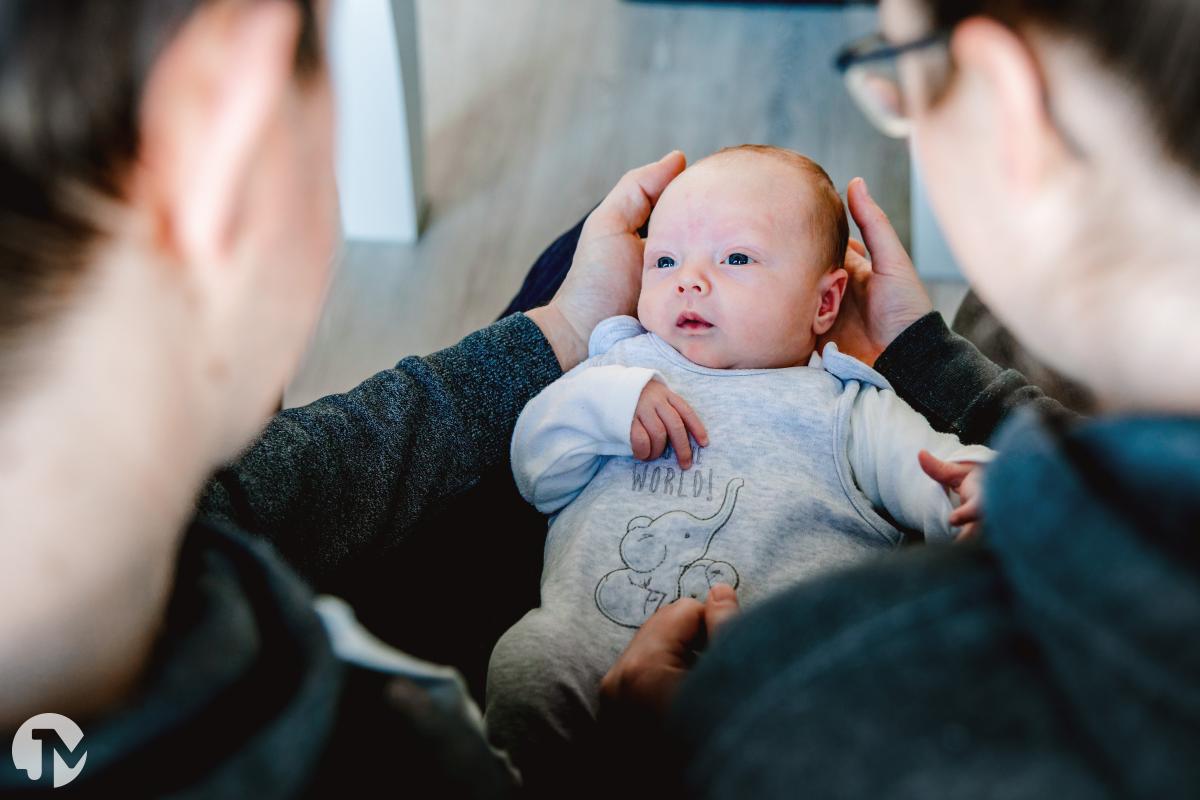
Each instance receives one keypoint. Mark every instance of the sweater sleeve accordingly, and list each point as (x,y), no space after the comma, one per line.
(957,388)
(351,473)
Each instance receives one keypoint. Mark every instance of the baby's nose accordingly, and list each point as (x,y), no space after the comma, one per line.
(693,283)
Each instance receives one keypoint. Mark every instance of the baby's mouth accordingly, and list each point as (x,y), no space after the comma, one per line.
(691,321)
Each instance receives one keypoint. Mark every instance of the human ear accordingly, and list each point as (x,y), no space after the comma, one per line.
(832,287)
(206,114)
(996,61)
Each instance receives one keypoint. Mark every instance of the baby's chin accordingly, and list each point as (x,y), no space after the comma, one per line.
(714,352)
(700,357)
(714,349)
(704,351)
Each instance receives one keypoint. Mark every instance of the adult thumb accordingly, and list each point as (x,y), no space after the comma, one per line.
(720,607)
(877,231)
(629,204)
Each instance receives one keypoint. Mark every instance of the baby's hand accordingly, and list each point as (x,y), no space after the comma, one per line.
(662,415)
(964,479)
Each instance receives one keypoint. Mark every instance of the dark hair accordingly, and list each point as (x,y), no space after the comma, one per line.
(1152,43)
(72,74)
(829,214)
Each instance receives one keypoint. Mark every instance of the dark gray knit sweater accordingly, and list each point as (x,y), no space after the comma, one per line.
(244,696)
(354,471)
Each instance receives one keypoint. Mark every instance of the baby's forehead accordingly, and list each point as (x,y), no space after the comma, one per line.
(748,166)
(735,186)
(769,159)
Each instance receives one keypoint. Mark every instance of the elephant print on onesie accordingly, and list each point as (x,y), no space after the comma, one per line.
(665,559)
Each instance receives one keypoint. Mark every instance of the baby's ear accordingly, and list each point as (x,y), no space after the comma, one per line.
(832,287)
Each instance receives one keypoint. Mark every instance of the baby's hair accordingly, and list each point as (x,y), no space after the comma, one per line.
(829,215)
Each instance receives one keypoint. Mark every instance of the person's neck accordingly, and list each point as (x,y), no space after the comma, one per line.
(1134,262)
(102,454)
(1155,367)
(1153,293)
(1129,311)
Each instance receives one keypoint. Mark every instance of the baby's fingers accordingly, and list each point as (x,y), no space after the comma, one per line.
(677,433)
(690,418)
(969,511)
(947,473)
(655,430)
(968,532)
(639,440)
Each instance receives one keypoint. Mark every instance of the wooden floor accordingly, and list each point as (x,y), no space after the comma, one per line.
(534,108)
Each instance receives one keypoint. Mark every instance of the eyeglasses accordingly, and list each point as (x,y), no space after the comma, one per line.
(888,89)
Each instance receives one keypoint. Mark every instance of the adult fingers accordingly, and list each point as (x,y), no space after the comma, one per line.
(720,607)
(858,264)
(884,245)
(946,473)
(677,433)
(674,627)
(628,205)
(647,674)
(855,246)
(667,639)
(690,418)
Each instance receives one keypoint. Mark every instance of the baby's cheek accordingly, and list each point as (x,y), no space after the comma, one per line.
(768,336)
(649,311)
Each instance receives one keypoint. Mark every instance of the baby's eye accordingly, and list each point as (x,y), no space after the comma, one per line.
(665,262)
(737,260)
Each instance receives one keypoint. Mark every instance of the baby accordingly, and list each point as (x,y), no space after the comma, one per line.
(804,462)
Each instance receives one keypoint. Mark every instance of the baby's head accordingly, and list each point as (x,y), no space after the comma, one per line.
(744,259)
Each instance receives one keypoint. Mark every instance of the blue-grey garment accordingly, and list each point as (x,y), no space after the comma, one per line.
(1060,658)
(770,502)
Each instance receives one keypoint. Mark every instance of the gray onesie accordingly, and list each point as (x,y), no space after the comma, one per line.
(808,469)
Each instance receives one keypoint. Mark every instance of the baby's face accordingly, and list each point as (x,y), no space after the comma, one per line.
(733,275)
